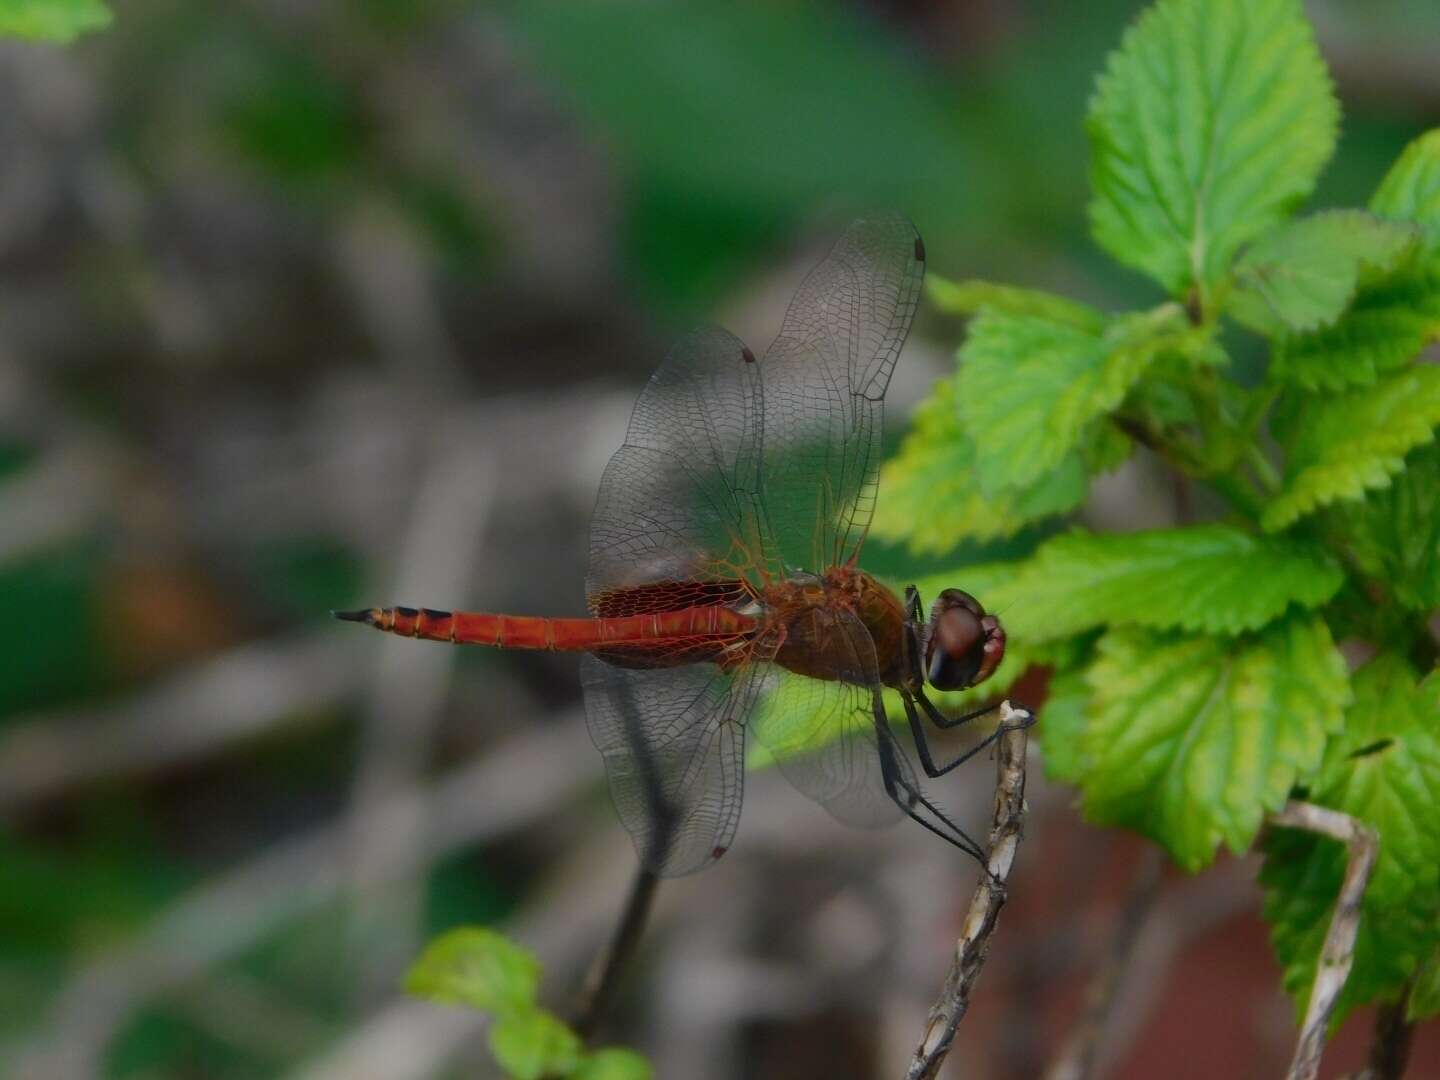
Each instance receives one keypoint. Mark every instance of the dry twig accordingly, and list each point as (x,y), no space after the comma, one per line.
(1338,950)
(973,945)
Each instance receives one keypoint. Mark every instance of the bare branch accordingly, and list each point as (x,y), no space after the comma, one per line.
(604,977)
(1390,1046)
(1339,948)
(974,943)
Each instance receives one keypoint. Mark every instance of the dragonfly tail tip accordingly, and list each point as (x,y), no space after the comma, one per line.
(365,615)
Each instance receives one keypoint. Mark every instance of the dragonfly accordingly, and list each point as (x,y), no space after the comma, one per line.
(724,588)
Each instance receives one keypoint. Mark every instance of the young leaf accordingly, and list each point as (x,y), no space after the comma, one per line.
(477,967)
(1303,275)
(1212,578)
(1391,319)
(1384,769)
(51,20)
(531,1043)
(1209,125)
(1062,733)
(1411,189)
(1340,446)
(1029,387)
(613,1064)
(1395,533)
(972,297)
(930,495)
(1192,739)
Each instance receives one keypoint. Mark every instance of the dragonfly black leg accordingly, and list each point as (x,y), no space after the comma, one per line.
(922,745)
(908,796)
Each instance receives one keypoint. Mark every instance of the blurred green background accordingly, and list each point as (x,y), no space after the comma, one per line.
(307,305)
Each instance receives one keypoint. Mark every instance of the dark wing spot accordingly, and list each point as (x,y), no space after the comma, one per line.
(407,612)
(919,250)
(718,849)
(747,354)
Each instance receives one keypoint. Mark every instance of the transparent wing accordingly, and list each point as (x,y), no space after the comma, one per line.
(678,501)
(673,741)
(825,381)
(822,732)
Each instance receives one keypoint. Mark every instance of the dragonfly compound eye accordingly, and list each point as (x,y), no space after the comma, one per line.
(965,645)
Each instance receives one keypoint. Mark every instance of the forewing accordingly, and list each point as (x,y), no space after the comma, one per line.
(825,381)
(822,732)
(677,503)
(673,741)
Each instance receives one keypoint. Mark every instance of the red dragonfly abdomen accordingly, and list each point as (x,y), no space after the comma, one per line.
(653,631)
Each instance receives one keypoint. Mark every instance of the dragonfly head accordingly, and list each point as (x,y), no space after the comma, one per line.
(964,645)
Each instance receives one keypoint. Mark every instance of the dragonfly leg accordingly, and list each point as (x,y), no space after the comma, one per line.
(922,745)
(912,654)
(908,796)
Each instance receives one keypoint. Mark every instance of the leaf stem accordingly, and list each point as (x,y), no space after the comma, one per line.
(1264,469)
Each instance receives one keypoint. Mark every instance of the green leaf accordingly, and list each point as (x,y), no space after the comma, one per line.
(52,20)
(972,297)
(1303,275)
(930,494)
(1391,319)
(1061,729)
(1411,189)
(1029,387)
(1209,126)
(1212,578)
(531,1043)
(1425,995)
(1395,533)
(1340,446)
(1193,739)
(477,967)
(1384,769)
(613,1064)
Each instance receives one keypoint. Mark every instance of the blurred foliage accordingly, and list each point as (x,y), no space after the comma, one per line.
(52,20)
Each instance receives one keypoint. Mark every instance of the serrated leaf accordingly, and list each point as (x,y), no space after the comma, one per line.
(531,1043)
(1411,189)
(930,496)
(1384,768)
(52,20)
(1191,740)
(477,967)
(1394,534)
(1061,730)
(1303,274)
(1209,125)
(1029,387)
(1390,321)
(1212,578)
(1342,445)
(613,1064)
(972,297)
